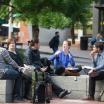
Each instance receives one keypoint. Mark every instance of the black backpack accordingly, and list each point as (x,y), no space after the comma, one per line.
(51,43)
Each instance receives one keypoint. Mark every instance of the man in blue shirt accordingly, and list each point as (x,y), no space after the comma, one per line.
(97,71)
(63,59)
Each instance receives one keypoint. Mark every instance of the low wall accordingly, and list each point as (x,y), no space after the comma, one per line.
(78,85)
(6,91)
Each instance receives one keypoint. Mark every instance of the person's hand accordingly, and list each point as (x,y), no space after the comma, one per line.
(93,53)
(56,53)
(43,69)
(20,69)
(92,72)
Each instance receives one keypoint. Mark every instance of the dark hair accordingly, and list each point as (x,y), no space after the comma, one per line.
(9,41)
(56,32)
(69,43)
(99,45)
(32,42)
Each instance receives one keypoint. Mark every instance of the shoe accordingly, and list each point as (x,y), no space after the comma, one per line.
(64,93)
(89,98)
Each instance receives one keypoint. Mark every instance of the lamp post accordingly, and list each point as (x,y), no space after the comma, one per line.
(10,20)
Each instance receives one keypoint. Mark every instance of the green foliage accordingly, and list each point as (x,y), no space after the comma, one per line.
(50,13)
(53,19)
(78,10)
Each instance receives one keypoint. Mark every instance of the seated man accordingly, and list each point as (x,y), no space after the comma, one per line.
(99,37)
(63,59)
(32,57)
(97,71)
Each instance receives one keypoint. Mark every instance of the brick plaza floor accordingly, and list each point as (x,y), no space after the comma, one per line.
(64,101)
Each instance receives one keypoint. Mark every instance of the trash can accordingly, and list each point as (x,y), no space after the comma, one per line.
(84,43)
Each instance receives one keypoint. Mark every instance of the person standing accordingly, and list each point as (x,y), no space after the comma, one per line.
(54,42)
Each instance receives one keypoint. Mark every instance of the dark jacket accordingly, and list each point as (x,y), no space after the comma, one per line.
(54,42)
(32,57)
(16,57)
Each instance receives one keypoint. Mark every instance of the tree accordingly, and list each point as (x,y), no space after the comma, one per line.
(78,11)
(40,12)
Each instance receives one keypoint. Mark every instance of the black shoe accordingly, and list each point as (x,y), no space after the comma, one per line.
(64,93)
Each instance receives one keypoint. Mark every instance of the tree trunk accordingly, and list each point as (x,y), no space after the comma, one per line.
(72,35)
(84,30)
(35,31)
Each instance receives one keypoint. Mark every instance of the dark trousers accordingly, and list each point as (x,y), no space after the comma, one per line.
(92,83)
(59,70)
(57,89)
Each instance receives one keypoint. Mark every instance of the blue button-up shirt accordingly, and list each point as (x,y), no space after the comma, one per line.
(63,60)
(98,61)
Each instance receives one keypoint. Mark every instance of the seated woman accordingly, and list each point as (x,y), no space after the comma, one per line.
(63,59)
(16,56)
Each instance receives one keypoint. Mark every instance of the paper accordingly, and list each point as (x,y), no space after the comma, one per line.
(87,67)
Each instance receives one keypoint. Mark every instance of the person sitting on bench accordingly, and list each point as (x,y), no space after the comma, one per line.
(97,71)
(63,60)
(32,57)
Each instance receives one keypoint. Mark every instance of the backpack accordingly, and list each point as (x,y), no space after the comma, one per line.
(51,43)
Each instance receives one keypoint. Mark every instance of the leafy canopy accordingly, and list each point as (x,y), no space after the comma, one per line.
(50,13)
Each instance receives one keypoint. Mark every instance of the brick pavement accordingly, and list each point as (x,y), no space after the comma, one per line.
(65,101)
(72,101)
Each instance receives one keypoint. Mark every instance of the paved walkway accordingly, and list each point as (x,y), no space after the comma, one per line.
(65,101)
(72,101)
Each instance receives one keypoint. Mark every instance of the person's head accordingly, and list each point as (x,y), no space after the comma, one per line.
(56,33)
(66,45)
(11,45)
(98,47)
(34,44)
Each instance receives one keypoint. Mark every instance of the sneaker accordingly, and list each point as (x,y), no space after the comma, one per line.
(64,93)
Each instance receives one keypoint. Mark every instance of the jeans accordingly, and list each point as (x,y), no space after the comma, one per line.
(13,74)
(57,89)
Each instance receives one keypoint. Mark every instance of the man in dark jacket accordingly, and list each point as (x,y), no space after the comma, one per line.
(54,42)
(32,57)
